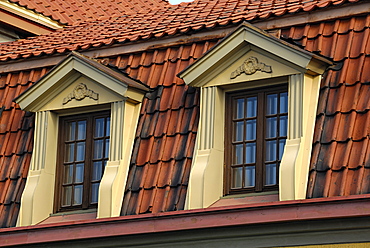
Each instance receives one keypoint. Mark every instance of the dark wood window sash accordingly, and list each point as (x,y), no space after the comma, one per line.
(260,179)
(90,117)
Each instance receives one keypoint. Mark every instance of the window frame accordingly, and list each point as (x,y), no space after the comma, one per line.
(260,175)
(90,127)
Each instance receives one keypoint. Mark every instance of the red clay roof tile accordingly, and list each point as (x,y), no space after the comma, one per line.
(68,12)
(134,26)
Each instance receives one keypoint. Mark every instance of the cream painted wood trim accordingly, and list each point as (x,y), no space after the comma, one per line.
(124,119)
(38,195)
(38,157)
(207,124)
(207,172)
(297,152)
(295,106)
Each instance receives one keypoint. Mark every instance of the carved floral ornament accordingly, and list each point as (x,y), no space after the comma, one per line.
(79,93)
(250,66)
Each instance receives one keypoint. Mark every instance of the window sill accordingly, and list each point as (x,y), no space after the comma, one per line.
(240,199)
(78,215)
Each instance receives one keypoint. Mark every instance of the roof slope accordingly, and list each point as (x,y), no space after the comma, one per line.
(159,22)
(68,12)
(164,145)
(340,163)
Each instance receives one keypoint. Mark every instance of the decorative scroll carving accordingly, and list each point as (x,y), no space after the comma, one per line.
(250,66)
(79,93)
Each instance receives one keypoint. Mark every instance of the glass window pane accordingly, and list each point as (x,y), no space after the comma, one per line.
(81,132)
(281,148)
(107,132)
(251,107)
(270,174)
(70,153)
(249,176)
(67,196)
(68,174)
(99,127)
(239,108)
(283,126)
(77,199)
(250,153)
(94,192)
(271,104)
(71,131)
(284,102)
(106,154)
(239,126)
(98,149)
(80,156)
(271,126)
(251,129)
(237,174)
(238,154)
(97,171)
(271,150)
(79,177)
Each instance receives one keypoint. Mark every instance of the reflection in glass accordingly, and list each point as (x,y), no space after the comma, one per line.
(99,127)
(107,132)
(281,148)
(251,107)
(239,126)
(97,171)
(283,125)
(94,192)
(250,153)
(237,177)
(271,127)
(80,156)
(251,129)
(249,177)
(106,154)
(70,153)
(67,195)
(68,173)
(78,195)
(81,132)
(79,177)
(238,154)
(284,102)
(271,104)
(98,149)
(71,131)
(271,150)
(270,174)
(240,108)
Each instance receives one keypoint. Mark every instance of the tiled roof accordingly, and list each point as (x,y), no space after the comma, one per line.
(340,163)
(16,142)
(159,22)
(71,11)
(165,138)
(167,127)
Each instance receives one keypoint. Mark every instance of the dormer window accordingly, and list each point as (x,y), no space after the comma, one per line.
(84,152)
(86,116)
(256,132)
(256,125)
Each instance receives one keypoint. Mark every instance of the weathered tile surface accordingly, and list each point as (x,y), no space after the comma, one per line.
(167,126)
(71,11)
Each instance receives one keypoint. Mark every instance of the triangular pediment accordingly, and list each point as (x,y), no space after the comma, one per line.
(79,81)
(247,54)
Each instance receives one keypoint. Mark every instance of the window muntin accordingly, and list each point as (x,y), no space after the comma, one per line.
(256,132)
(83,154)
